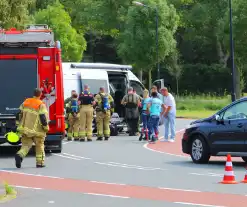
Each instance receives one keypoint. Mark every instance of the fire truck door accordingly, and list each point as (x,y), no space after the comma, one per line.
(47,83)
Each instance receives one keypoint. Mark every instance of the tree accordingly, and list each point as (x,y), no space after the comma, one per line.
(73,43)
(14,13)
(137,43)
(174,67)
(104,17)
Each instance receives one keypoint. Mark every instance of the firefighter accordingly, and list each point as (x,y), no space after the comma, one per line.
(73,118)
(131,102)
(33,127)
(86,101)
(67,100)
(48,93)
(67,108)
(104,105)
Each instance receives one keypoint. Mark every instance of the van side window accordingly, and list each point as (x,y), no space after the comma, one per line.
(137,86)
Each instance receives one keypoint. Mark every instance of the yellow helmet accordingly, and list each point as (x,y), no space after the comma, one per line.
(13,138)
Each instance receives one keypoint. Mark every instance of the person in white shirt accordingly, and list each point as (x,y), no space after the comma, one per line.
(169,114)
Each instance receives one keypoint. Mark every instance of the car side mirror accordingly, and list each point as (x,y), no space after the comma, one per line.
(217,117)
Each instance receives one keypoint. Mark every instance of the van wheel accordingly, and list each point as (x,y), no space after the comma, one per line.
(199,150)
(244,159)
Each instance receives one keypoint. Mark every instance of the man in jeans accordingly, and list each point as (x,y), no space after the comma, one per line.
(169,114)
(154,109)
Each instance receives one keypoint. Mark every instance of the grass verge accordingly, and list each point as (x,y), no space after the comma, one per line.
(10,193)
(194,114)
(200,106)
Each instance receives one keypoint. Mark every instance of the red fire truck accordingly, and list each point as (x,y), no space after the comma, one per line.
(29,59)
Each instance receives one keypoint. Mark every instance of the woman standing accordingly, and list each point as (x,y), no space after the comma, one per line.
(145,115)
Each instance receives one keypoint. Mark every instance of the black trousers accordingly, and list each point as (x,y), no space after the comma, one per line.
(132,126)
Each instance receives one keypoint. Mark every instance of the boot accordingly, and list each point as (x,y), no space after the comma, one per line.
(82,139)
(141,137)
(99,139)
(40,166)
(106,138)
(18,161)
(69,139)
(89,139)
(146,134)
(76,139)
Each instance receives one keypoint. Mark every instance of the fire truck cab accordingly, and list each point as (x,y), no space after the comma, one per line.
(31,59)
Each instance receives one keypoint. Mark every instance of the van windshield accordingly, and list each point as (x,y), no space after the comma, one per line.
(94,85)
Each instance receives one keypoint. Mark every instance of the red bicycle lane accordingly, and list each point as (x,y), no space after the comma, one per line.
(125,191)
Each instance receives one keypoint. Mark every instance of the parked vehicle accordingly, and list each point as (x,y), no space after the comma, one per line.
(114,77)
(224,132)
(29,59)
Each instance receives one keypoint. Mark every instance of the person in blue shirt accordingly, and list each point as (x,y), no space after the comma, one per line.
(155,107)
(145,115)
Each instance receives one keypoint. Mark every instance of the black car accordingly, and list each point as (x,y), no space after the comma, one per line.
(224,132)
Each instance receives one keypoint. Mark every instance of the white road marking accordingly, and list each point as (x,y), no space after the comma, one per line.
(86,158)
(175,189)
(66,142)
(146,147)
(196,204)
(136,166)
(25,187)
(209,174)
(21,173)
(72,158)
(51,202)
(113,196)
(123,166)
(106,183)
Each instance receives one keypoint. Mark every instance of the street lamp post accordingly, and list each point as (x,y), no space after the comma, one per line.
(157,34)
(232,54)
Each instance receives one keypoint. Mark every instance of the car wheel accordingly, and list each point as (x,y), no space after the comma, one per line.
(244,159)
(199,150)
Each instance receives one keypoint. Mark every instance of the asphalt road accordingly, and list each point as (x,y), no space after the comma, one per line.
(122,172)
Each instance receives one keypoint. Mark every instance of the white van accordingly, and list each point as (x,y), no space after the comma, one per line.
(112,76)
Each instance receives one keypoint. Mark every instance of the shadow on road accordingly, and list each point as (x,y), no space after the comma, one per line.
(10,151)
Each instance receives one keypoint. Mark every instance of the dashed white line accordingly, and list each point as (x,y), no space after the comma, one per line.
(86,158)
(25,187)
(124,166)
(21,173)
(135,166)
(196,204)
(67,142)
(92,181)
(175,189)
(72,158)
(106,195)
(209,174)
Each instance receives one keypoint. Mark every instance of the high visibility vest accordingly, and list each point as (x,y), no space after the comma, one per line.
(30,123)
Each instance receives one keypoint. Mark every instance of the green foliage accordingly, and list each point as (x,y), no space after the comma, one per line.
(14,13)
(209,102)
(73,43)
(199,78)
(137,43)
